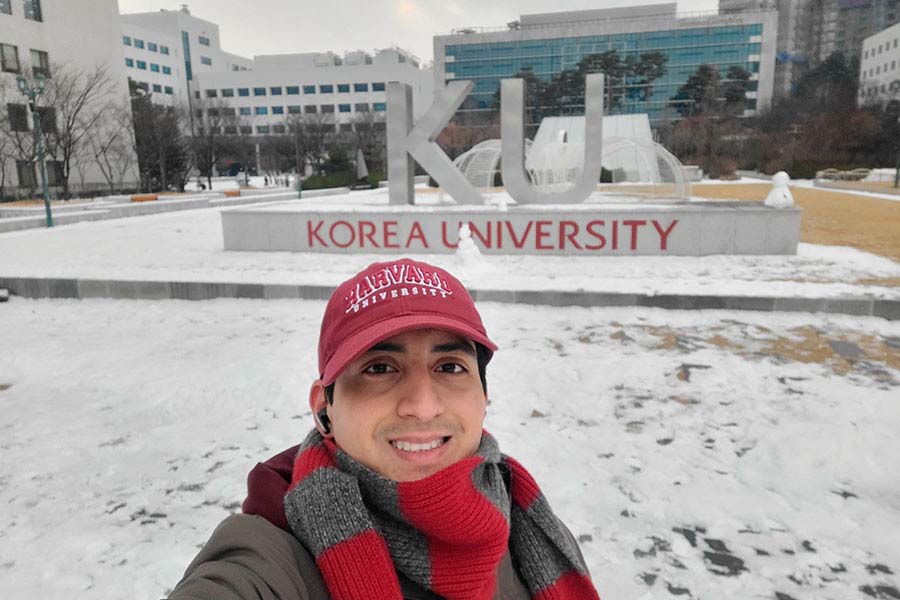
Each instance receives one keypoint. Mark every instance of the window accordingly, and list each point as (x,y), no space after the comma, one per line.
(228,92)
(129,62)
(243,91)
(138,43)
(157,88)
(204,41)
(378,87)
(310,109)
(206,60)
(326,89)
(54,172)
(228,111)
(275,91)
(142,65)
(169,90)
(379,106)
(6,6)
(245,110)
(167,70)
(309,89)
(230,129)
(212,94)
(343,88)
(47,116)
(295,109)
(246,130)
(18,117)
(277,110)
(346,127)
(154,67)
(126,40)
(9,58)
(25,174)
(327,108)
(163,49)
(197,94)
(262,110)
(212,112)
(259,91)
(33,10)
(278,128)
(344,108)
(360,87)
(151,46)
(293,90)
(40,63)
(263,129)
(361,107)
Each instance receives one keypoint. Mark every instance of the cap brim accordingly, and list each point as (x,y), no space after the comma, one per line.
(357,344)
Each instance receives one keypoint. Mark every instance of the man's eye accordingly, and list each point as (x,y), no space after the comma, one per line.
(377,369)
(451,368)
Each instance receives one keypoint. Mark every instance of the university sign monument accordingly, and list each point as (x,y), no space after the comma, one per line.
(571,218)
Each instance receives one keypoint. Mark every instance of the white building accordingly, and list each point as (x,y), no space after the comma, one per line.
(279,86)
(879,67)
(168,49)
(51,37)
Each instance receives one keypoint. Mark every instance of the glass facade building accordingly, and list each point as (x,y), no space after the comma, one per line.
(722,42)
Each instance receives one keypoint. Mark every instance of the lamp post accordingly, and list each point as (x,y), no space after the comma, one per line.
(32,92)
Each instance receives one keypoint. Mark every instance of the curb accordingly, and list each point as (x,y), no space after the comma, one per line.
(33,287)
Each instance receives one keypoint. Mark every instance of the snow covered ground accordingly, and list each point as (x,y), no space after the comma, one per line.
(188,246)
(700,454)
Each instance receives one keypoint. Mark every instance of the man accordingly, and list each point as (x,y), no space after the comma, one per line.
(398,492)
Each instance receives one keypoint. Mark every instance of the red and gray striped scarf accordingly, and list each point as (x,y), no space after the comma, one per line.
(447,533)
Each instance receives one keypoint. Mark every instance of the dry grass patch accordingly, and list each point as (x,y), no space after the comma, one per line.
(831,218)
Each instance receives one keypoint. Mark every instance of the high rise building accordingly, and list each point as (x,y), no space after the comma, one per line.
(809,31)
(547,44)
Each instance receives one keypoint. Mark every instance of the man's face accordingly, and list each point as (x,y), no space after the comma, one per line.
(410,406)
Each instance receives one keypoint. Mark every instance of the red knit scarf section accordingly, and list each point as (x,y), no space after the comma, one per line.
(447,532)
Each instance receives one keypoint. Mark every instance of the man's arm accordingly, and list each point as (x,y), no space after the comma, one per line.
(249,558)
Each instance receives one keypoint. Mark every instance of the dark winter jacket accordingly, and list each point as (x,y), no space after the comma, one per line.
(255,556)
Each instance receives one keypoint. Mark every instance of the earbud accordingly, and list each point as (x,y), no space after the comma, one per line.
(323,421)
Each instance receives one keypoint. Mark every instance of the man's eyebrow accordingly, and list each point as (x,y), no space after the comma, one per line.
(453,347)
(387,347)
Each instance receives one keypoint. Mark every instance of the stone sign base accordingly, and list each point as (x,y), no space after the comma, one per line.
(692,229)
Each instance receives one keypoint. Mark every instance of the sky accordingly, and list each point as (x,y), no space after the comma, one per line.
(286,26)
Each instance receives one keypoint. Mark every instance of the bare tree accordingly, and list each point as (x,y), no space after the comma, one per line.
(76,99)
(369,136)
(113,150)
(214,120)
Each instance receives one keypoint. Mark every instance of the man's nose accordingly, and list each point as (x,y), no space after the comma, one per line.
(420,398)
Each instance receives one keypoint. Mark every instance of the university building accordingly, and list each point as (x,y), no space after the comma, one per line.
(166,50)
(319,86)
(547,44)
(879,67)
(47,38)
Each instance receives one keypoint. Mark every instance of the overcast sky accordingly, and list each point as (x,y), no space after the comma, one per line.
(283,26)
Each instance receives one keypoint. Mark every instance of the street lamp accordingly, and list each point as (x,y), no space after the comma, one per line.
(32,92)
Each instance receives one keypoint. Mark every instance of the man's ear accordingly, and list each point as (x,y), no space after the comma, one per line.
(318,405)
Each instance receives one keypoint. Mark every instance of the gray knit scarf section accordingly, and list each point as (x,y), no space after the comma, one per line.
(332,505)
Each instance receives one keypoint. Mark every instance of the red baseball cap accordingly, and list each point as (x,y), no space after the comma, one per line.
(389,298)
